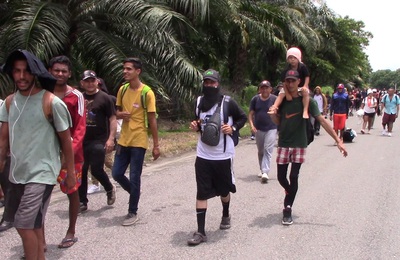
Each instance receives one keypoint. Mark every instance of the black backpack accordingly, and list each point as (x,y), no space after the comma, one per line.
(212,129)
(212,136)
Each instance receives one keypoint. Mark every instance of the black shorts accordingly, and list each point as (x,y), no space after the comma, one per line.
(369,114)
(214,178)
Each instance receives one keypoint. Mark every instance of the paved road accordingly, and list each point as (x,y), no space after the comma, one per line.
(346,208)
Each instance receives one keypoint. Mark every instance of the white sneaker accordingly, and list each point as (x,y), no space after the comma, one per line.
(259,175)
(93,189)
(384,132)
(264,178)
(389,134)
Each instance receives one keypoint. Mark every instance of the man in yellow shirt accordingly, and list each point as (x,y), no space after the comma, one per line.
(133,141)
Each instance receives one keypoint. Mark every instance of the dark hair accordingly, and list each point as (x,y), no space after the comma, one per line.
(60,59)
(137,63)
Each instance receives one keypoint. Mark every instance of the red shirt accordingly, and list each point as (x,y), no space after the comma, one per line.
(76,107)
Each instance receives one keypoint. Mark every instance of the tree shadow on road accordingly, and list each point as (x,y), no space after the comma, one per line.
(268,221)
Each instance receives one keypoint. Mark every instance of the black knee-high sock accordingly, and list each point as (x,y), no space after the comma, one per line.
(201,220)
(225,209)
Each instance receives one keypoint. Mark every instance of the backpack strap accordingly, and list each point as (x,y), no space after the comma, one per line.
(143,100)
(47,101)
(198,103)
(225,112)
(8,102)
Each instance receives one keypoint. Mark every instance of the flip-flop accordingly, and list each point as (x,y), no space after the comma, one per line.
(68,242)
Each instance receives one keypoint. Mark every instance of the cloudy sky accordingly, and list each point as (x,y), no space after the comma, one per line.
(381,18)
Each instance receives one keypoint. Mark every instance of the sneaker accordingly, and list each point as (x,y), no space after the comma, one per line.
(384,132)
(130,219)
(197,239)
(252,137)
(287,216)
(259,175)
(264,178)
(389,134)
(362,131)
(93,189)
(225,223)
(82,208)
(111,196)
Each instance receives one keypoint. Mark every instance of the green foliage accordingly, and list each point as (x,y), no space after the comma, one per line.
(178,39)
(385,79)
(327,89)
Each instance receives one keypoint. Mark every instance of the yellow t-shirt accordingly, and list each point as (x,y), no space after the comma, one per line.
(134,132)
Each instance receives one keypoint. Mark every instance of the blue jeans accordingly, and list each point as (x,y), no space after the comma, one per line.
(133,156)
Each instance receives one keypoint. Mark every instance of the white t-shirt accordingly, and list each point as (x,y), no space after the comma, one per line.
(215,152)
(320,102)
(369,102)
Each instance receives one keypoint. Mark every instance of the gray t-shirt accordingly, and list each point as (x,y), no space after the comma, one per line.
(34,145)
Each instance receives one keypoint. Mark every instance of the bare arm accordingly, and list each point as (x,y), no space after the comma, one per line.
(154,133)
(68,153)
(125,115)
(251,115)
(4,144)
(111,137)
(325,124)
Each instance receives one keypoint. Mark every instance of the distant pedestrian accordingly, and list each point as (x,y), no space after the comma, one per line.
(390,107)
(369,105)
(340,110)
(322,103)
(263,127)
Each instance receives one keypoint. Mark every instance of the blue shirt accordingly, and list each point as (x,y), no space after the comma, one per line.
(391,104)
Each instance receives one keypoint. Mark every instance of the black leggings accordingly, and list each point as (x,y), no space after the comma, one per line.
(292,186)
(94,154)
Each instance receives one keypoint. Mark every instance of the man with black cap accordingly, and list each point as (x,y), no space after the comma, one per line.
(263,127)
(213,166)
(30,116)
(101,126)
(292,141)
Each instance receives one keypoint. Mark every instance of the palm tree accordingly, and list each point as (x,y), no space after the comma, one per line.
(99,34)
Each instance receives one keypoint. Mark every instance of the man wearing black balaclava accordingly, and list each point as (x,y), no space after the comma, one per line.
(213,166)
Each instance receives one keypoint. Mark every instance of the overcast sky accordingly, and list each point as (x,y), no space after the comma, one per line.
(381,18)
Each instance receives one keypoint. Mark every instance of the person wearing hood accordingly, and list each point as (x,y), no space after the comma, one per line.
(322,106)
(29,116)
(213,166)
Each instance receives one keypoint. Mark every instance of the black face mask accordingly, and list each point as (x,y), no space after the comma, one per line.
(211,97)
